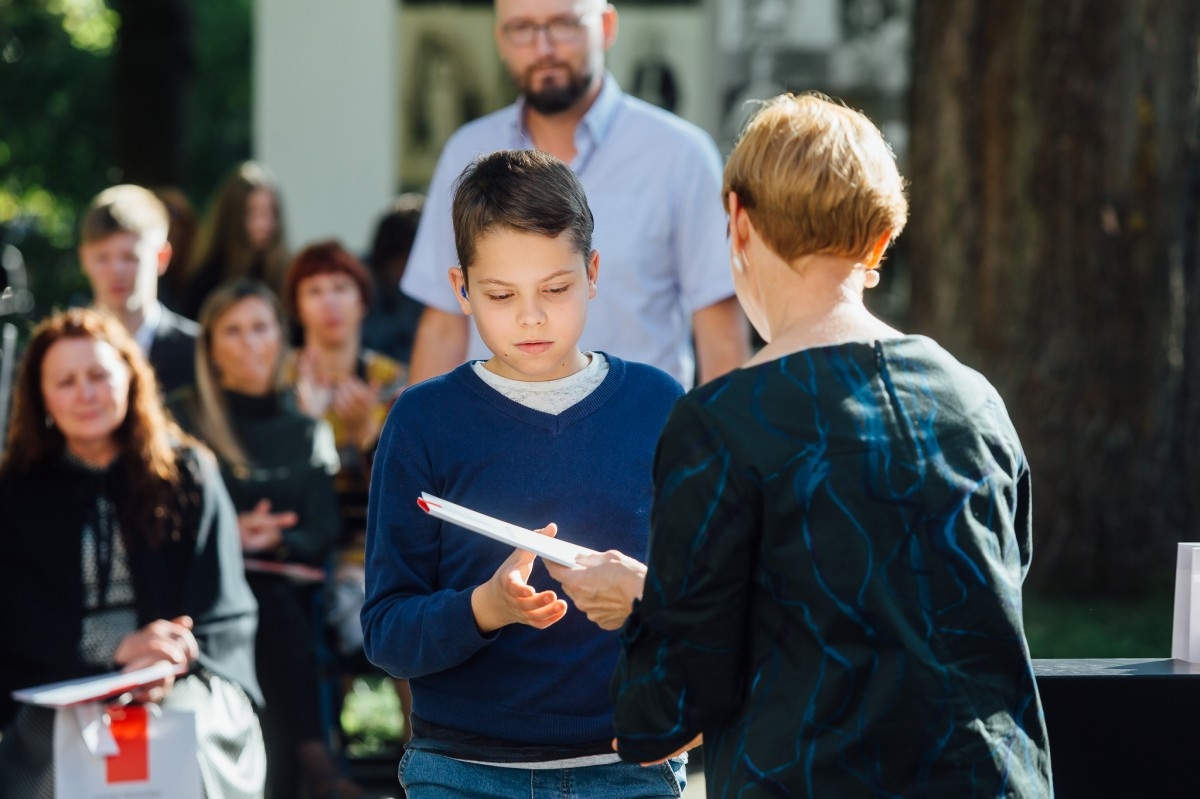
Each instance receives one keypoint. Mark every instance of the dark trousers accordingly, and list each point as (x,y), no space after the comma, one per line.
(287,672)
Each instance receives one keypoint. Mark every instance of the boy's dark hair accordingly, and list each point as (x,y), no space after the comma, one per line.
(523,190)
(124,209)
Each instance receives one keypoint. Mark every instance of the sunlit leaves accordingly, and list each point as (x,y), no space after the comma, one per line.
(91,24)
(35,208)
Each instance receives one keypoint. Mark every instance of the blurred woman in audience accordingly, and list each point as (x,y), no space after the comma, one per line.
(327,291)
(119,550)
(181,234)
(278,465)
(243,236)
(352,388)
(392,316)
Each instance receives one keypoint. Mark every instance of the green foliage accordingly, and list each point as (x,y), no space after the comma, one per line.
(371,718)
(55,135)
(57,123)
(1099,627)
(91,24)
(220,108)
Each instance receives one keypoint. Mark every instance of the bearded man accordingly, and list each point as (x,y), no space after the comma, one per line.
(653,182)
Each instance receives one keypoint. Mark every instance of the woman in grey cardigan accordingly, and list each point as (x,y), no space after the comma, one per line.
(119,550)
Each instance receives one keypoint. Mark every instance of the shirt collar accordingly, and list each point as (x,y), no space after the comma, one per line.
(599,117)
(595,124)
(145,334)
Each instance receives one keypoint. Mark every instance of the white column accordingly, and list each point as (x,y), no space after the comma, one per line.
(325,113)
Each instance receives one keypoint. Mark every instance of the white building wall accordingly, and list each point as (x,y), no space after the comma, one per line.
(325,113)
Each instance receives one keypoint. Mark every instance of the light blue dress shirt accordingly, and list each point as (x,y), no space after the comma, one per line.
(653,182)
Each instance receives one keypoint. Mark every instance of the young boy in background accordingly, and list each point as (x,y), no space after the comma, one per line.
(123,250)
(510,691)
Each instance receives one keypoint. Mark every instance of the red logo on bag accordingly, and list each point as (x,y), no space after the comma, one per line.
(132,763)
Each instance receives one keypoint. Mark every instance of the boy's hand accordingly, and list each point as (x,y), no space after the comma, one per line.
(508,599)
(604,588)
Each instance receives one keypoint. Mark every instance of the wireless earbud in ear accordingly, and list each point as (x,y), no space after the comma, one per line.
(463,291)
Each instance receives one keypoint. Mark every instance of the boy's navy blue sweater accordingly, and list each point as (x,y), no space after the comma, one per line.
(589,469)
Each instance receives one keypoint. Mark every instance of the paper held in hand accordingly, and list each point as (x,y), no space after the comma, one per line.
(552,549)
(100,687)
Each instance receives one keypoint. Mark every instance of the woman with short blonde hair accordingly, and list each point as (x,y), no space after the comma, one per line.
(840,527)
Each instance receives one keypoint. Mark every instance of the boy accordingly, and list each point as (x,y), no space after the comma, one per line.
(509,689)
(123,250)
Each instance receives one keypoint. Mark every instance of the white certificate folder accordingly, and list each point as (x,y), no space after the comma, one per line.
(552,549)
(93,689)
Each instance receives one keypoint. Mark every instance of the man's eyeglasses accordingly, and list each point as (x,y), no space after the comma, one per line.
(560,30)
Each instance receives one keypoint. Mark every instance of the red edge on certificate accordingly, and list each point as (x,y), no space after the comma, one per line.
(298,571)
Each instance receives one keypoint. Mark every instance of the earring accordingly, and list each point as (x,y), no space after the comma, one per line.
(738,264)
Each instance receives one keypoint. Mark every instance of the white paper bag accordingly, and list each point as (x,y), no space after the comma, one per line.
(1185,638)
(155,754)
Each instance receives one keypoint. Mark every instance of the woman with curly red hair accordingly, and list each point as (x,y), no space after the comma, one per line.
(121,543)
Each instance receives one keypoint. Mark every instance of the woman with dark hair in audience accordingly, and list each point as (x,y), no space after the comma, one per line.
(278,466)
(392,315)
(352,388)
(181,234)
(119,549)
(243,237)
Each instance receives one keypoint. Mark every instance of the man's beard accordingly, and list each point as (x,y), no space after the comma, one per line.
(555,99)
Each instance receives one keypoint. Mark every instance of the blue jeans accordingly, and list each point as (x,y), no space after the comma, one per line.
(428,776)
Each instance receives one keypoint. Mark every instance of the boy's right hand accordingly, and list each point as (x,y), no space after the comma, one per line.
(508,599)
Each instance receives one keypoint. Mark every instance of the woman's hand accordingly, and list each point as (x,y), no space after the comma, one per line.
(687,747)
(171,641)
(355,402)
(261,530)
(604,588)
(312,396)
(508,599)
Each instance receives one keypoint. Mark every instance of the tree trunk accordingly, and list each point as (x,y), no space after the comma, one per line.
(153,71)
(1055,187)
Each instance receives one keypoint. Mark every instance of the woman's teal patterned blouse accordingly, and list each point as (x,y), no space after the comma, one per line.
(834,588)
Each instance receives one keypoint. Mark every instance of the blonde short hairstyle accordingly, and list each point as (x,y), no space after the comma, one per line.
(125,209)
(816,178)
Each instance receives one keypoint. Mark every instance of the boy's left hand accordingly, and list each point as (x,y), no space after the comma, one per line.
(508,599)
